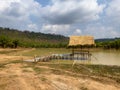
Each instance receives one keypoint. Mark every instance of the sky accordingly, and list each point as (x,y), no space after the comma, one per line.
(99,18)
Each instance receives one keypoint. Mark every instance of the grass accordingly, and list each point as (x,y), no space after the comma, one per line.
(3,64)
(35,67)
(25,70)
(9,51)
(112,72)
(83,88)
(37,70)
(45,52)
(5,82)
(43,78)
(84,68)
(57,72)
(16,61)
(2,86)
(99,70)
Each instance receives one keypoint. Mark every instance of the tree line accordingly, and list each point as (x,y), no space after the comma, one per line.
(114,44)
(14,38)
(6,42)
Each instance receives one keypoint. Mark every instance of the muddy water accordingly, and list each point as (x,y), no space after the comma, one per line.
(106,57)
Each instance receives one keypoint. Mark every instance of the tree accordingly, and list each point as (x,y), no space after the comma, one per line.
(15,42)
(4,41)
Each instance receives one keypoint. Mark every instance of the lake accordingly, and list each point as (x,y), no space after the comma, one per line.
(99,56)
(106,57)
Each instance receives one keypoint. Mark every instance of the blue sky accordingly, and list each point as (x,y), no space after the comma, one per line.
(43,2)
(100,18)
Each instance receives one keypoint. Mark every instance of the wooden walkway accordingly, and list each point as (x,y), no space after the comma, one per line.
(80,56)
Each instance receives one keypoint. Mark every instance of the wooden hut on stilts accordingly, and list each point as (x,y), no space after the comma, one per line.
(80,47)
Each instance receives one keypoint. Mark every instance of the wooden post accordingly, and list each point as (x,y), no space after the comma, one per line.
(73,53)
(34,58)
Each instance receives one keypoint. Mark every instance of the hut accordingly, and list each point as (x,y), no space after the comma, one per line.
(80,46)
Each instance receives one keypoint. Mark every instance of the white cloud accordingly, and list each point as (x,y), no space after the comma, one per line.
(113,6)
(17,13)
(101,32)
(58,29)
(77,32)
(19,8)
(4,4)
(32,27)
(113,13)
(72,11)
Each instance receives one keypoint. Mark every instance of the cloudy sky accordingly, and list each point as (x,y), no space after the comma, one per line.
(100,18)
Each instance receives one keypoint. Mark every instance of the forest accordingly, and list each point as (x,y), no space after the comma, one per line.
(15,38)
(108,43)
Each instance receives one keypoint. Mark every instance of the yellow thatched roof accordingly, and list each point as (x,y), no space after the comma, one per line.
(81,40)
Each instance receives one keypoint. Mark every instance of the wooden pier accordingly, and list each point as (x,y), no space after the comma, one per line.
(81,54)
(76,56)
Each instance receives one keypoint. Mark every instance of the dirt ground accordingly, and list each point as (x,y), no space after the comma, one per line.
(20,76)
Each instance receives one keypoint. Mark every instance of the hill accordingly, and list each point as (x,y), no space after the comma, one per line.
(34,39)
(106,39)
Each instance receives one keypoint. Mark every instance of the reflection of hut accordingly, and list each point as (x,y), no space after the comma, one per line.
(78,43)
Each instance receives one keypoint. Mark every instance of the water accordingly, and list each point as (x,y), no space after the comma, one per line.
(106,57)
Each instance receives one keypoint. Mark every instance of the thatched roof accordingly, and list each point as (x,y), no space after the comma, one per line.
(81,40)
